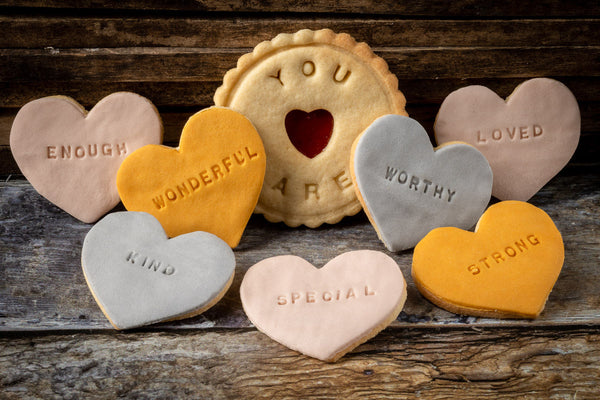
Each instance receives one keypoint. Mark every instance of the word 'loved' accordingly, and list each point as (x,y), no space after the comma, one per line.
(206,177)
(510,251)
(85,151)
(414,182)
(511,134)
(150,264)
(312,296)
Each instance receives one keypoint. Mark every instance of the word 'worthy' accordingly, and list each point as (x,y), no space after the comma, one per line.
(417,184)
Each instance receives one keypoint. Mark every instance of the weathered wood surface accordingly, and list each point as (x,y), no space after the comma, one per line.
(247,31)
(172,95)
(42,286)
(178,60)
(204,64)
(56,343)
(232,364)
(418,8)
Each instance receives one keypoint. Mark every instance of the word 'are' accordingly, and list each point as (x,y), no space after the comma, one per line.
(311,190)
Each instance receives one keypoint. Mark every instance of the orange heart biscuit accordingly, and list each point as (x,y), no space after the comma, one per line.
(505,269)
(211,183)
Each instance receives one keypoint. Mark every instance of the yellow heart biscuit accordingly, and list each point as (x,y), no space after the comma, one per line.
(505,269)
(211,183)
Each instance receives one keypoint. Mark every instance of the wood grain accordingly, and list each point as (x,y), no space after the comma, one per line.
(418,8)
(170,95)
(194,64)
(235,364)
(248,31)
(42,286)
(56,343)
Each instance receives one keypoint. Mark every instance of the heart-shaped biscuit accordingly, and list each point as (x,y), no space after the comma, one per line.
(211,183)
(527,139)
(71,157)
(138,276)
(505,269)
(408,189)
(326,312)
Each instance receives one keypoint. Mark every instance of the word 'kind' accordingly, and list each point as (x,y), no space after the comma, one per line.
(313,296)
(497,257)
(150,264)
(419,184)
(205,177)
(86,151)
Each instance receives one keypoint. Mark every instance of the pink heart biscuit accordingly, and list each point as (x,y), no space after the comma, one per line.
(326,312)
(527,139)
(71,157)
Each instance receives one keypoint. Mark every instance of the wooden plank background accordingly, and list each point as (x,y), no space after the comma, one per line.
(54,340)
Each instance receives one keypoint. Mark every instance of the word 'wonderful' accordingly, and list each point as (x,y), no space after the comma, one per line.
(205,177)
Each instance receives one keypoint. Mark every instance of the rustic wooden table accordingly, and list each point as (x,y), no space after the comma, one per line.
(56,343)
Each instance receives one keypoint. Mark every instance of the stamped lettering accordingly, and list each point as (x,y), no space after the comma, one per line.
(206,177)
(420,185)
(342,182)
(277,76)
(74,152)
(510,134)
(514,249)
(326,296)
(308,68)
(151,264)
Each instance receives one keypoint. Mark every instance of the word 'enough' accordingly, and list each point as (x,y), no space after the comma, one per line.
(85,151)
(500,256)
(206,177)
(419,184)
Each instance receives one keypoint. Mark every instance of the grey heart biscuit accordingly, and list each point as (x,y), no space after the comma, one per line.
(138,276)
(407,188)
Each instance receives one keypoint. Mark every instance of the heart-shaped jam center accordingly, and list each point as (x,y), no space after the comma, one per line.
(309,132)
